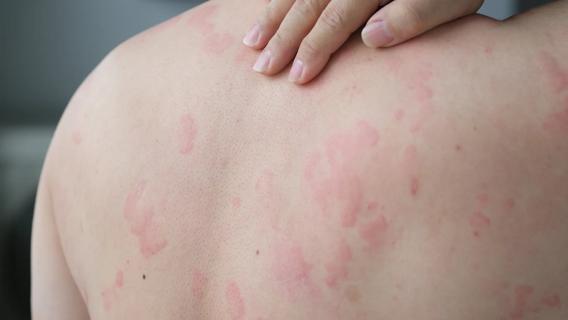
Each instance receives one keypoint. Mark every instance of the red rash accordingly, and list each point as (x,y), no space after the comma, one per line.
(557,74)
(142,224)
(479,221)
(373,232)
(235,302)
(198,285)
(333,182)
(337,269)
(200,19)
(551,301)
(521,301)
(110,294)
(291,270)
(187,133)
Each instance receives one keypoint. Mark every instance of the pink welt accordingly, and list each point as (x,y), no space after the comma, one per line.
(290,269)
(373,232)
(142,224)
(557,74)
(337,268)
(479,221)
(521,302)
(551,301)
(187,133)
(198,285)
(235,302)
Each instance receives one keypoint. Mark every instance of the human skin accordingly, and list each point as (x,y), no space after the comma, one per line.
(427,181)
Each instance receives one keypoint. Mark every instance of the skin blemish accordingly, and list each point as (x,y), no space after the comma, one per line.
(235,302)
(414,186)
(556,74)
(551,301)
(257,252)
(290,269)
(557,121)
(373,233)
(373,205)
(142,224)
(458,147)
(483,199)
(521,301)
(337,268)
(76,137)
(110,294)
(236,202)
(119,279)
(143,277)
(509,204)
(333,182)
(478,222)
(198,285)
(187,133)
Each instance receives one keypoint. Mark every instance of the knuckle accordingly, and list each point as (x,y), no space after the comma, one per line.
(308,8)
(334,18)
(280,40)
(309,49)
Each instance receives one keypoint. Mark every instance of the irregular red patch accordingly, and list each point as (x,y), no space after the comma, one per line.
(551,301)
(198,284)
(373,232)
(142,224)
(414,186)
(76,137)
(110,294)
(290,269)
(236,202)
(521,302)
(557,74)
(187,133)
(119,279)
(337,268)
(479,221)
(235,302)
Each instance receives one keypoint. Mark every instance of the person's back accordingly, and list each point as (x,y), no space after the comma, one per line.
(428,181)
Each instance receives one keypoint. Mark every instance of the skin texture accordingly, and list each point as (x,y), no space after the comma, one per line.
(427,181)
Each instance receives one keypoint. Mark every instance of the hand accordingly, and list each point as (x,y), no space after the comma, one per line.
(313,30)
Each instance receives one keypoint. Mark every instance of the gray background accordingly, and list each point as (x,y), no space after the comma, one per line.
(46,48)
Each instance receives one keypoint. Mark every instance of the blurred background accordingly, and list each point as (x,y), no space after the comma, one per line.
(46,49)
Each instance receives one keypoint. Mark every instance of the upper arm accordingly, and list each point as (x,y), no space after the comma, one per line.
(54,293)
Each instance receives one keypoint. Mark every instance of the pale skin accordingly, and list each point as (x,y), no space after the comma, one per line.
(429,183)
(312,30)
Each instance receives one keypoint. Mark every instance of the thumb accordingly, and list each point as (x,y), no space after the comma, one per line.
(401,20)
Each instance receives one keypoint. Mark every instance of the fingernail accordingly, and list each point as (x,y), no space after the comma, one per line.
(251,39)
(376,34)
(262,62)
(296,71)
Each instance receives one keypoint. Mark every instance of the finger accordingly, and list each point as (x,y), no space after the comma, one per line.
(261,32)
(337,22)
(284,44)
(404,19)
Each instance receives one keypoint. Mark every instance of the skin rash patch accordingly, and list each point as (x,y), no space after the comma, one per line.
(235,302)
(142,224)
(337,268)
(110,294)
(291,270)
(335,186)
(187,134)
(199,284)
(200,20)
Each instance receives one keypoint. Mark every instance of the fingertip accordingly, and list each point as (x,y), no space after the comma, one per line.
(377,34)
(252,38)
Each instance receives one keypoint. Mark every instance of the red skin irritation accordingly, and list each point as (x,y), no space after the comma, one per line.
(521,302)
(478,222)
(76,137)
(557,74)
(200,19)
(198,285)
(110,294)
(551,301)
(337,269)
(291,271)
(187,134)
(373,232)
(235,302)
(332,180)
(142,224)
(236,202)
(557,121)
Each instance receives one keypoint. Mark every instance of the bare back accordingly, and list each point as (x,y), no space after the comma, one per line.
(427,181)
